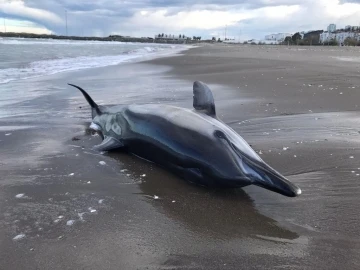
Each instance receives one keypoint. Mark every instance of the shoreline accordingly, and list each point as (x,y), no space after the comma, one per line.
(63,180)
(66,64)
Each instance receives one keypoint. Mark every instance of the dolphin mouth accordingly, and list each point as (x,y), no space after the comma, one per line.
(97,129)
(262,175)
(278,183)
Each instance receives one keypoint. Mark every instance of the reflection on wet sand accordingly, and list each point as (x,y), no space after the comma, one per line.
(228,213)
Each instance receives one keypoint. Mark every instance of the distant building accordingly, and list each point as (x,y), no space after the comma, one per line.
(326,37)
(339,36)
(331,28)
(280,37)
(352,28)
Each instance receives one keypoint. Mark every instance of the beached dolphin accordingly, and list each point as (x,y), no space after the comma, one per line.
(193,143)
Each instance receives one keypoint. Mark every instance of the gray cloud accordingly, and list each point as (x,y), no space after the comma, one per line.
(104,17)
(350,1)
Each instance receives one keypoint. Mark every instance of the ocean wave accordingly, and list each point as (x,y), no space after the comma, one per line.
(34,41)
(53,66)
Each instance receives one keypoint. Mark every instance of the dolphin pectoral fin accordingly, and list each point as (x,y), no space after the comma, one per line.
(109,143)
(203,99)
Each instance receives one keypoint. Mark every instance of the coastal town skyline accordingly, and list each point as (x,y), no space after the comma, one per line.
(240,20)
(332,32)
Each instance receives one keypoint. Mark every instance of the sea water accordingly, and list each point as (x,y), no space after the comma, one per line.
(28,58)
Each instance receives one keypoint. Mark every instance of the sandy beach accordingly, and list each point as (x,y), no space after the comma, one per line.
(65,206)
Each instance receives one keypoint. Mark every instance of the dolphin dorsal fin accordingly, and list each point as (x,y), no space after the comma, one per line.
(203,99)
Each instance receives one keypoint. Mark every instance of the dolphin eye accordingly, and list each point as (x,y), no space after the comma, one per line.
(219,134)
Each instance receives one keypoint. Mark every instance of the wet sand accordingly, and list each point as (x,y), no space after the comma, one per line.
(297,107)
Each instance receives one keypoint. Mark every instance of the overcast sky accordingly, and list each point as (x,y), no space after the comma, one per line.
(243,18)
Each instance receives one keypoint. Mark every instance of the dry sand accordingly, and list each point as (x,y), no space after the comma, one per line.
(297,106)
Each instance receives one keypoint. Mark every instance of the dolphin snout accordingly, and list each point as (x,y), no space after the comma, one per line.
(278,184)
(264,176)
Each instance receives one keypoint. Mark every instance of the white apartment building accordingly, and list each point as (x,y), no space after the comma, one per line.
(338,36)
(331,28)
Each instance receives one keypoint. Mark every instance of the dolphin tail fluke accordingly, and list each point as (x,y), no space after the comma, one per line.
(91,102)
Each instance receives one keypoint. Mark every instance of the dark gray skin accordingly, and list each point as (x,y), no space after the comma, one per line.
(194,144)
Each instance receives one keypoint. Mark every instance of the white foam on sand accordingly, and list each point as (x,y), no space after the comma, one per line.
(20,196)
(19,237)
(348,59)
(70,222)
(92,210)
